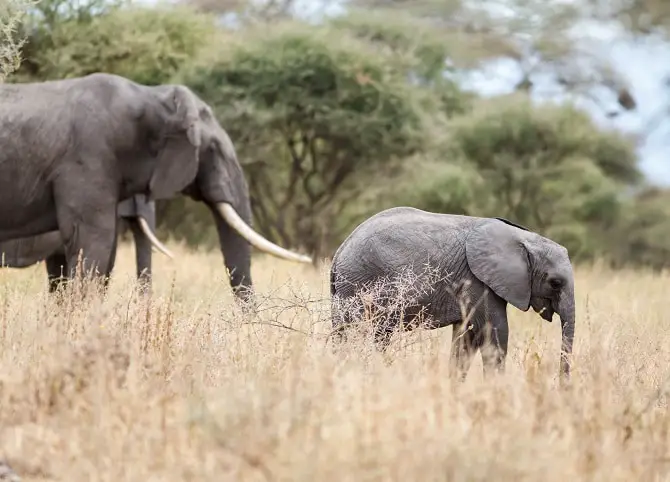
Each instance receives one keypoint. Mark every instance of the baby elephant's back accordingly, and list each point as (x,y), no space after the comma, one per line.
(398,242)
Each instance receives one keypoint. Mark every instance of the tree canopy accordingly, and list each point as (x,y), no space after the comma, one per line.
(145,44)
(311,108)
(11,14)
(338,118)
(547,167)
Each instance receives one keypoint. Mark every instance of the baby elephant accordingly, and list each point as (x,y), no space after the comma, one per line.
(452,270)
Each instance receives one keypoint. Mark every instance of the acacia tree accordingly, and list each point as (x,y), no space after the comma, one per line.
(69,38)
(313,112)
(11,14)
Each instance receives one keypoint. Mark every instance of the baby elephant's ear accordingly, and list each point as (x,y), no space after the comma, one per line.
(497,255)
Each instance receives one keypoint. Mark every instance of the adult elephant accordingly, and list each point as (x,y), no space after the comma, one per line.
(140,215)
(71,149)
(446,259)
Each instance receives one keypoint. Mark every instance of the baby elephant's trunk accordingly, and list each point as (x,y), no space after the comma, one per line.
(566,311)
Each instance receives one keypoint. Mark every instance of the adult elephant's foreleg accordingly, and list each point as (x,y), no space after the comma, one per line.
(237,259)
(88,229)
(89,252)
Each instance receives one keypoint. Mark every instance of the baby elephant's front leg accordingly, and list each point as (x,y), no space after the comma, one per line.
(494,332)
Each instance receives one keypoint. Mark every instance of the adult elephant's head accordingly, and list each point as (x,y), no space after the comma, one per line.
(526,269)
(194,155)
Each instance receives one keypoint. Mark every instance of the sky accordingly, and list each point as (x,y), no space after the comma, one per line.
(643,64)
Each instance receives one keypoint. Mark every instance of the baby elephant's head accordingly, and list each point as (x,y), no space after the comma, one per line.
(525,269)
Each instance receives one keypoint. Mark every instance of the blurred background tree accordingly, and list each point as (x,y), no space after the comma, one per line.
(314,111)
(345,108)
(547,167)
(68,38)
(11,15)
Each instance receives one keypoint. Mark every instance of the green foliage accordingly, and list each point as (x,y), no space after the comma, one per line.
(48,14)
(644,231)
(511,126)
(303,77)
(546,167)
(309,109)
(418,47)
(416,42)
(11,15)
(147,45)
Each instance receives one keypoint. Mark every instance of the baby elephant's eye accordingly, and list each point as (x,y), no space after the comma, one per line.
(556,283)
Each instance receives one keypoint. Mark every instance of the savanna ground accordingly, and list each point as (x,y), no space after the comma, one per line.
(188,387)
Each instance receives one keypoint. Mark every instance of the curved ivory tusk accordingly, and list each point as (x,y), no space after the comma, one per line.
(144,226)
(228,213)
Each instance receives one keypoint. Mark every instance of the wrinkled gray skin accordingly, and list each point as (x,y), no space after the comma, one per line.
(71,149)
(48,247)
(473,256)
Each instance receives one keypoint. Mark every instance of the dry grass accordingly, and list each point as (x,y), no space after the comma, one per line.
(189,388)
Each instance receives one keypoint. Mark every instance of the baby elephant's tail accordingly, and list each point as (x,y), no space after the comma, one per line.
(332,280)
(337,321)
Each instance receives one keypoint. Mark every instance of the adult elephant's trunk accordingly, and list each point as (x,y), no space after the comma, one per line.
(236,238)
(236,255)
(566,310)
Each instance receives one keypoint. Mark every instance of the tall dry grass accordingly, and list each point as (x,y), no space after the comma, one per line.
(189,388)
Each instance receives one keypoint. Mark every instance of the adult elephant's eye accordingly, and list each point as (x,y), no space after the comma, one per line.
(555,283)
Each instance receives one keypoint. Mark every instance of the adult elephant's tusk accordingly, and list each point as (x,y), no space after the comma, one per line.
(144,226)
(234,220)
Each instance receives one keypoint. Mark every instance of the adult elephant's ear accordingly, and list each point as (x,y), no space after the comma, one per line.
(177,161)
(498,257)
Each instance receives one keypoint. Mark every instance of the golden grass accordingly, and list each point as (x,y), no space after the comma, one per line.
(188,388)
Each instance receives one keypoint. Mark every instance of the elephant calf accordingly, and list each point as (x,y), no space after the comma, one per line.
(441,260)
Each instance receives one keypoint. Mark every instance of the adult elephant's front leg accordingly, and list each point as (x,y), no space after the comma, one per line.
(88,228)
(58,271)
